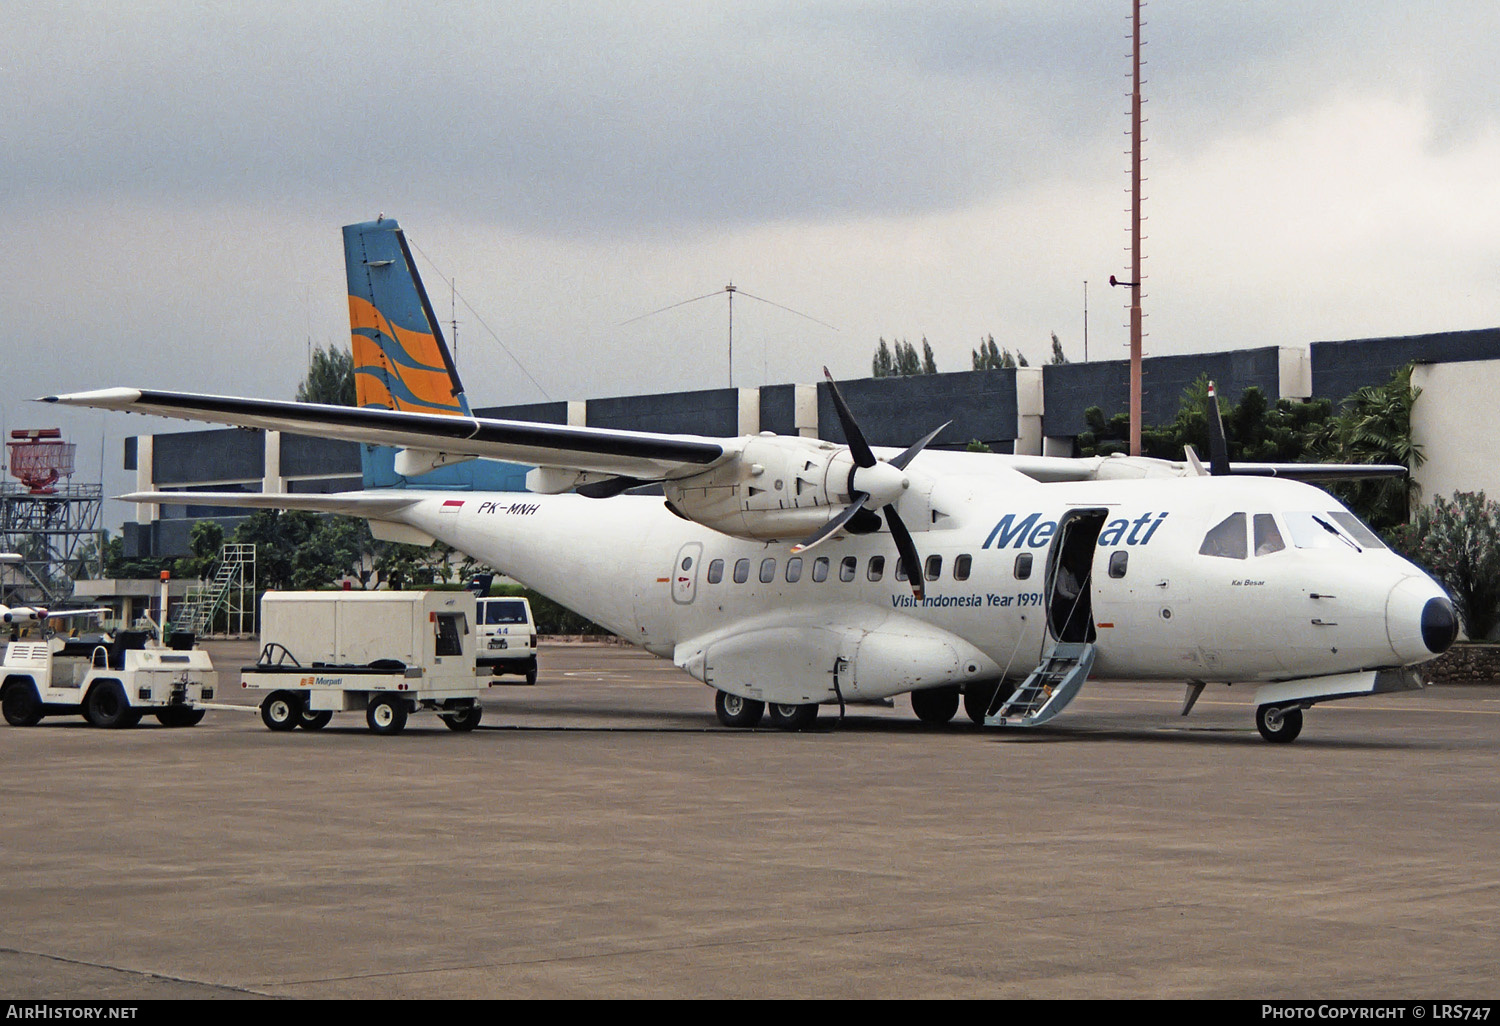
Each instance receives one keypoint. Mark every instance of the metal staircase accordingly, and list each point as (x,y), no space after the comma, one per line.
(232,579)
(1049,689)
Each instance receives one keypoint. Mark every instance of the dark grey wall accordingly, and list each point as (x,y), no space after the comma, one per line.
(217,454)
(778,409)
(1068,389)
(302,455)
(714,411)
(536,413)
(1341,368)
(899,411)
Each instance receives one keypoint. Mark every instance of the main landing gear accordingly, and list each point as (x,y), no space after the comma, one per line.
(1278,724)
(735,711)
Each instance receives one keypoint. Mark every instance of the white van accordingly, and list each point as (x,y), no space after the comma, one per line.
(506,640)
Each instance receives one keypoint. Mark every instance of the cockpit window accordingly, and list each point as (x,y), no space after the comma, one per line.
(1317,531)
(1226,539)
(1267,536)
(1357,527)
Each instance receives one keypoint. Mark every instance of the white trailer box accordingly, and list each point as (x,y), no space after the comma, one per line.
(386,652)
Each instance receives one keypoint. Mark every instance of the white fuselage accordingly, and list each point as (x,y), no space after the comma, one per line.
(1158,605)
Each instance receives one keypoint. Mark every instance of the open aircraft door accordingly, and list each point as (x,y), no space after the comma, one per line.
(1070,575)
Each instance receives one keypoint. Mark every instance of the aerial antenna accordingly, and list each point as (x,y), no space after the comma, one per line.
(453,317)
(729,290)
(1135,234)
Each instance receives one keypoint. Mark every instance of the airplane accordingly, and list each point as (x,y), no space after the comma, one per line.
(789,573)
(35,614)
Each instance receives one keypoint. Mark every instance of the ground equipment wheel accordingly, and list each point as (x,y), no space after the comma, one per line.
(1278,724)
(465,719)
(180,716)
(386,715)
(107,706)
(310,720)
(281,710)
(792,717)
(531,676)
(935,705)
(21,705)
(735,711)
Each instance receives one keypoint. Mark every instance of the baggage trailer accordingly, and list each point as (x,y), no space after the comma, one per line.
(388,653)
(111,683)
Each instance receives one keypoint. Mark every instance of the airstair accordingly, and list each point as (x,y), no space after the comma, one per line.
(1049,689)
(233,578)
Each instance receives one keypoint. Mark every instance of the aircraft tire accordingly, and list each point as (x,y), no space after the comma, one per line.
(179,716)
(463,720)
(107,706)
(21,705)
(935,706)
(792,717)
(386,715)
(1278,724)
(980,699)
(734,711)
(310,720)
(281,711)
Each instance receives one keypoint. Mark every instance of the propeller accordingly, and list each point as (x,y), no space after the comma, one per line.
(874,482)
(1218,448)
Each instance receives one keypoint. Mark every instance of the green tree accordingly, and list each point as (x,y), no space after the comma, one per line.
(330,378)
(1458,540)
(991,357)
(1058,356)
(1374,426)
(902,360)
(207,541)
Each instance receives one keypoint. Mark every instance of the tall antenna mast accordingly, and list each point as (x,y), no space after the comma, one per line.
(1135,234)
(730,289)
(453,317)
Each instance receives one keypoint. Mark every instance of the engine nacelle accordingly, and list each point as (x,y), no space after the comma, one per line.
(780,488)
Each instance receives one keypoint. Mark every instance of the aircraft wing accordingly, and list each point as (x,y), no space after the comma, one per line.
(636,454)
(377,505)
(1095,468)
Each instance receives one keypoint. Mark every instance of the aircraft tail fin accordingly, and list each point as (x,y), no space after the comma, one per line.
(401,361)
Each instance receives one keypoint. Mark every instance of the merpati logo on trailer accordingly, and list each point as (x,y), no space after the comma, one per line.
(1033,532)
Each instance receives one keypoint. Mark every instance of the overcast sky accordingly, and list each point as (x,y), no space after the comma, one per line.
(175,175)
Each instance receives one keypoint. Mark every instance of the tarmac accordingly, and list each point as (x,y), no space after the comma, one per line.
(600,836)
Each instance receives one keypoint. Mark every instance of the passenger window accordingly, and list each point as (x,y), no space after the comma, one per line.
(767,571)
(716,571)
(794,570)
(687,563)
(876,569)
(741,571)
(961,567)
(934,567)
(1023,566)
(1117,562)
(820,569)
(847,567)
(900,569)
(1226,539)
(1267,537)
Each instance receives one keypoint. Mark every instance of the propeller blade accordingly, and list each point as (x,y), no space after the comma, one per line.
(908,549)
(858,447)
(1218,448)
(906,457)
(828,529)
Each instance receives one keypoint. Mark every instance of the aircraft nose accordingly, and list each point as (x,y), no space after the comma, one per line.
(1439,625)
(1420,620)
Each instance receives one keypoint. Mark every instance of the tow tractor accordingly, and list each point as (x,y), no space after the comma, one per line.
(112,681)
(387,653)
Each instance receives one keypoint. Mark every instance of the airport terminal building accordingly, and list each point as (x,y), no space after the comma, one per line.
(1030,410)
